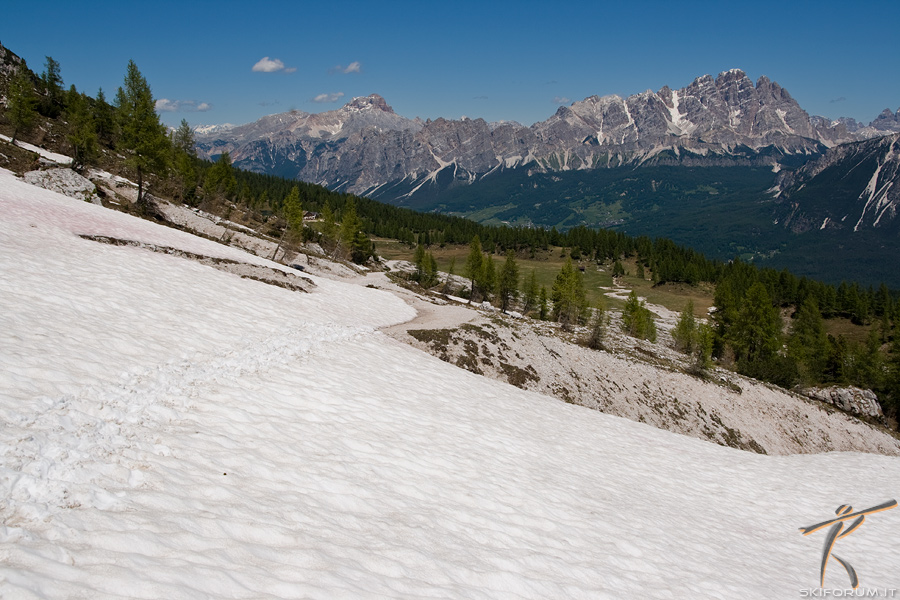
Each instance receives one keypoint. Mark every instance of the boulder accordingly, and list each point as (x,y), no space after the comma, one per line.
(850,399)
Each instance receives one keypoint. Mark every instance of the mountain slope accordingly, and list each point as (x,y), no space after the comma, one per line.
(176,431)
(853,187)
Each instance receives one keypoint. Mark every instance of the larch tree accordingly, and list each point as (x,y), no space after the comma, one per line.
(568,295)
(508,282)
(474,265)
(20,101)
(143,138)
(637,320)
(52,89)
(82,131)
(530,296)
(756,333)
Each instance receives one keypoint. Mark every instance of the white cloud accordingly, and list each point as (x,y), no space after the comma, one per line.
(561,100)
(166,105)
(328,98)
(354,67)
(268,65)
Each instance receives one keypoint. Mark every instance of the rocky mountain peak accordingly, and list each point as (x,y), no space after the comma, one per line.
(731,76)
(887,121)
(370,102)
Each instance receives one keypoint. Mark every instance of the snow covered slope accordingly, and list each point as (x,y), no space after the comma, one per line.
(168,430)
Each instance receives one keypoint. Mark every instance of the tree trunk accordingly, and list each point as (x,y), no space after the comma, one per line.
(140,196)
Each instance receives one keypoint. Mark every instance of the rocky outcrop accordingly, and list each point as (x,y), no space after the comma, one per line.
(849,399)
(64,181)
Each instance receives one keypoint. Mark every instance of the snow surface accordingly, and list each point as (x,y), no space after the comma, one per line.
(168,430)
(61,159)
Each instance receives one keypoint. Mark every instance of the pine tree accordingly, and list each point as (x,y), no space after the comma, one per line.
(808,342)
(183,139)
(597,329)
(143,137)
(104,119)
(508,282)
(329,224)
(487,279)
(185,155)
(293,212)
(474,266)
(685,332)
(448,282)
(543,309)
(419,260)
(431,270)
(82,131)
(20,101)
(756,334)
(568,295)
(51,103)
(637,320)
(220,178)
(355,241)
(530,296)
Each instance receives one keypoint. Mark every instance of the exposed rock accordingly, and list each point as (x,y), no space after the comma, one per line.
(887,121)
(64,181)
(850,399)
(637,380)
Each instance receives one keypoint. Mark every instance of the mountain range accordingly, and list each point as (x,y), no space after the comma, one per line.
(365,148)
(724,165)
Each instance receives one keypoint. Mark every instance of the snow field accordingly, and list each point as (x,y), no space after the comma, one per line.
(169,430)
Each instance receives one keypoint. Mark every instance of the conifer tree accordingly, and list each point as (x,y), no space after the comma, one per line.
(543,308)
(51,103)
(508,282)
(82,131)
(568,295)
(808,342)
(685,332)
(451,271)
(329,224)
(20,101)
(756,332)
(220,178)
(474,266)
(597,329)
(419,260)
(293,212)
(355,241)
(530,297)
(487,280)
(104,119)
(637,320)
(143,137)
(184,157)
(431,270)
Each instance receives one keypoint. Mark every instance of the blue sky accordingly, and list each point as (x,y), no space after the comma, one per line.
(496,60)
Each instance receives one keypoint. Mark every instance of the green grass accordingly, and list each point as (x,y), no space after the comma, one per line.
(547,265)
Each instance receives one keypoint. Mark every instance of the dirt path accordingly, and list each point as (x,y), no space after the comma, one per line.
(430,313)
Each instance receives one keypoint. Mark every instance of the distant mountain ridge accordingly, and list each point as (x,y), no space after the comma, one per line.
(365,148)
(852,187)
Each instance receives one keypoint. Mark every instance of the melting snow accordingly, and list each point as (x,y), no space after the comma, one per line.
(173,431)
